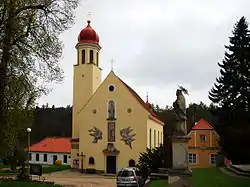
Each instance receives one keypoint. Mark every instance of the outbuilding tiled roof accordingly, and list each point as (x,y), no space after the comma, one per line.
(202,125)
(52,145)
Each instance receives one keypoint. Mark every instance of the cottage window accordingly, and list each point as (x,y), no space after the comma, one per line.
(45,157)
(30,157)
(192,159)
(37,157)
(65,159)
(203,138)
(213,158)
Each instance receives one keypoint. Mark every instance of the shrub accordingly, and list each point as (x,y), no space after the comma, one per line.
(150,161)
(58,162)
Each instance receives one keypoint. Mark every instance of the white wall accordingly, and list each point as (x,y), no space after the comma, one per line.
(49,158)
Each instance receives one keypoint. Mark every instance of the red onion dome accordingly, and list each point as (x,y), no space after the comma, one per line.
(88,35)
(148,104)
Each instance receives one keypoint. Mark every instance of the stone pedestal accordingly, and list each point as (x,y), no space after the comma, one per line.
(180,174)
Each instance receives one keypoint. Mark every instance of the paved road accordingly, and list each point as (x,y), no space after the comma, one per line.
(75,179)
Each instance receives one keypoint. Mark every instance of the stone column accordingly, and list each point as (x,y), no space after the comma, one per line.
(180,174)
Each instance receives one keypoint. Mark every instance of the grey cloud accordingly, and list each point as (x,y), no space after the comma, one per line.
(155,43)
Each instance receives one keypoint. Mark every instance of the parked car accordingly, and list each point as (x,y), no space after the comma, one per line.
(129,177)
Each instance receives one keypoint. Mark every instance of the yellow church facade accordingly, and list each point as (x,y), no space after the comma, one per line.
(111,124)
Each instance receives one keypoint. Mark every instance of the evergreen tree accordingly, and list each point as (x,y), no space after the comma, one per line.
(232,89)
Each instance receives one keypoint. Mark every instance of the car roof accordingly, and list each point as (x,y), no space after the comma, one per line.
(128,169)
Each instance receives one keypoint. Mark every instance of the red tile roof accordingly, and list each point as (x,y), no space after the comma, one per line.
(52,145)
(153,116)
(202,125)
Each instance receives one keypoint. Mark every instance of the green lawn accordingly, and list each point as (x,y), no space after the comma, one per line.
(54,168)
(9,183)
(46,169)
(213,177)
(8,172)
(158,183)
(210,177)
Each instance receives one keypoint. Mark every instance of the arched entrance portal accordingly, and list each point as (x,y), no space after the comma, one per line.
(131,163)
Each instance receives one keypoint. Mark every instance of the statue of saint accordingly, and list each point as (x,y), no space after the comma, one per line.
(111,110)
(180,111)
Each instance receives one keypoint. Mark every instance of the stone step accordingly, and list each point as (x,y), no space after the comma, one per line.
(238,171)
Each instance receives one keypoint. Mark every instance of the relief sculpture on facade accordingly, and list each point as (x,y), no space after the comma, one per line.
(96,134)
(127,136)
(111,131)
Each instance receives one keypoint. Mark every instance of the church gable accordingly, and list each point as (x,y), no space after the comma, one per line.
(113,91)
(115,114)
(113,88)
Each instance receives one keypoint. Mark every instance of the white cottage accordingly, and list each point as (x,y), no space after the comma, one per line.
(48,150)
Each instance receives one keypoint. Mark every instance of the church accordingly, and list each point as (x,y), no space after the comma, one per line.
(111,124)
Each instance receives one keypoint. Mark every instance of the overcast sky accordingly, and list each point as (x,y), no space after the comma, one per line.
(156,45)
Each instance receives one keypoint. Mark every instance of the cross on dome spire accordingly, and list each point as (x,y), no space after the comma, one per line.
(89,17)
(147,97)
(112,64)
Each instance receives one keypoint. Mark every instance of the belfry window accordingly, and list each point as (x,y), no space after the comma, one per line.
(91,56)
(83,56)
(97,59)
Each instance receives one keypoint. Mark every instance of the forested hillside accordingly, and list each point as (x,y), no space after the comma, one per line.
(51,121)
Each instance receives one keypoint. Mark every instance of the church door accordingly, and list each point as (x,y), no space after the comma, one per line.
(111,164)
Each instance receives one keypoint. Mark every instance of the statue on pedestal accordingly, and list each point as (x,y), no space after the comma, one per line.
(180,111)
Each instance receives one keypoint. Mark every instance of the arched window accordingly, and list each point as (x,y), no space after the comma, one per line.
(91,160)
(154,138)
(161,138)
(131,163)
(83,56)
(150,138)
(97,59)
(91,56)
(158,138)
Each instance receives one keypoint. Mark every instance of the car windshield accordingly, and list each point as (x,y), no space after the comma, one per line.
(125,173)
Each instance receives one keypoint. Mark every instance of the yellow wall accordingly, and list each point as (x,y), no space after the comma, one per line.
(203,150)
(156,131)
(137,119)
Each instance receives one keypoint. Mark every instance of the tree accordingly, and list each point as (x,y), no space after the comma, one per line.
(151,160)
(30,51)
(232,89)
(231,93)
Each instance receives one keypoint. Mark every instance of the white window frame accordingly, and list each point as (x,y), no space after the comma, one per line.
(210,158)
(196,158)
(201,138)
(113,86)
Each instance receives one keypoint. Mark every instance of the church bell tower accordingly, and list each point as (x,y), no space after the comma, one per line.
(87,73)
